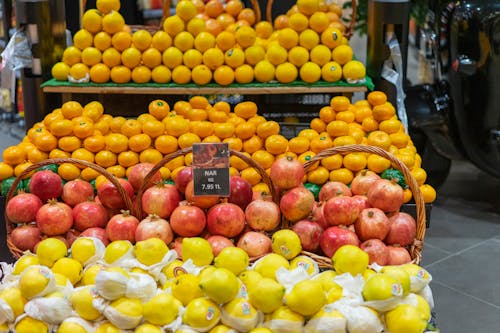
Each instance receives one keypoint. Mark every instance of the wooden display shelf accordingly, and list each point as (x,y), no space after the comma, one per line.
(67,89)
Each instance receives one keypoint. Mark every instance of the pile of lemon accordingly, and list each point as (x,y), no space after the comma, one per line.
(212,42)
(147,288)
(116,143)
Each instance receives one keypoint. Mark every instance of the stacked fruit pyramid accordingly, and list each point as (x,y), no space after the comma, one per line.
(213,42)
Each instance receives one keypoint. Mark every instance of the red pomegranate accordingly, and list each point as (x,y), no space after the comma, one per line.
(89,214)
(99,233)
(297,203)
(334,237)
(386,195)
(23,207)
(160,200)
(340,211)
(154,226)
(25,237)
(372,223)
(109,195)
(76,191)
(122,227)
(402,229)
(188,221)
(46,185)
(183,177)
(398,255)
(286,173)
(377,251)
(240,192)
(263,215)
(256,244)
(363,181)
(218,243)
(54,218)
(309,233)
(139,171)
(333,189)
(225,219)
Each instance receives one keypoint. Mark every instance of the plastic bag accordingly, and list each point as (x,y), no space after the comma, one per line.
(86,325)
(327,320)
(17,53)
(111,285)
(155,270)
(352,286)
(360,319)
(99,249)
(242,316)
(289,278)
(141,286)
(6,313)
(52,310)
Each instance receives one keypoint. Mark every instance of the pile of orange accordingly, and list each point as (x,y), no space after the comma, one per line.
(116,143)
(213,42)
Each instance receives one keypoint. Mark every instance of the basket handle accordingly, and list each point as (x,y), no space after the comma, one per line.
(148,178)
(9,227)
(256,9)
(416,247)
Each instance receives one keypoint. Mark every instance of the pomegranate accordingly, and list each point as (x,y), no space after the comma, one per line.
(398,255)
(122,227)
(202,201)
(317,215)
(25,237)
(340,211)
(240,192)
(225,219)
(178,246)
(256,244)
(386,195)
(218,243)
(99,233)
(334,237)
(89,214)
(286,173)
(363,181)
(46,185)
(110,197)
(262,215)
(402,229)
(76,191)
(188,221)
(333,189)
(309,233)
(71,235)
(154,226)
(160,200)
(183,177)
(361,201)
(297,203)
(377,251)
(54,218)
(139,171)
(372,223)
(22,208)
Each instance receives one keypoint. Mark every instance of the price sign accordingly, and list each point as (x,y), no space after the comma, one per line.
(211,169)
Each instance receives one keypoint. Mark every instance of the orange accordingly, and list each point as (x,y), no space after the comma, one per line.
(354,161)
(234,7)
(320,143)
(153,128)
(264,158)
(254,54)
(298,22)
(309,39)
(120,74)
(184,41)
(102,125)
(89,174)
(213,58)
(92,21)
(307,7)
(340,103)
(58,153)
(46,142)
(117,171)
(94,143)
(318,125)
(211,138)
(342,54)
(161,40)
(79,71)
(69,143)
(400,139)
(150,155)
(128,158)
(224,75)
(377,163)
(131,57)
(376,98)
(252,144)
(298,145)
(111,57)
(116,142)
(379,139)
(332,162)
(173,25)
(151,58)
(202,128)
(166,144)
(331,37)
(354,71)
(71,109)
(197,114)
(383,111)
(319,21)
(105,158)
(131,127)
(264,71)
(224,130)
(214,8)
(251,175)
(6,171)
(141,74)
(245,130)
(288,38)
(60,71)
(68,171)
(234,143)
(187,140)
(83,39)
(100,73)
(158,109)
(362,112)
(139,142)
(420,175)
(263,29)
(113,22)
(93,110)
(115,124)
(204,41)
(225,20)
(176,125)
(82,127)
(344,141)
(201,74)
(61,127)
(268,128)
(390,126)
(428,193)
(306,157)
(246,109)
(280,22)
(181,108)
(245,36)
(342,175)
(172,57)
(331,72)
(213,26)
(348,116)
(234,57)
(235,119)
(225,40)
(369,124)
(276,144)
(195,26)
(310,72)
(181,74)
(175,163)
(72,55)
(192,58)
(237,162)
(83,154)
(276,54)
(256,120)
(244,74)
(327,114)
(121,40)
(13,155)
(318,176)
(186,10)
(161,74)
(106,6)
(35,155)
(247,14)
(102,41)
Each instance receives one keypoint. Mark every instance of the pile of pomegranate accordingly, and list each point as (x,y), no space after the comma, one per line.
(366,214)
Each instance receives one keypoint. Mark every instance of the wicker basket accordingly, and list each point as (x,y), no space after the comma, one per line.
(415,249)
(248,160)
(349,29)
(11,226)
